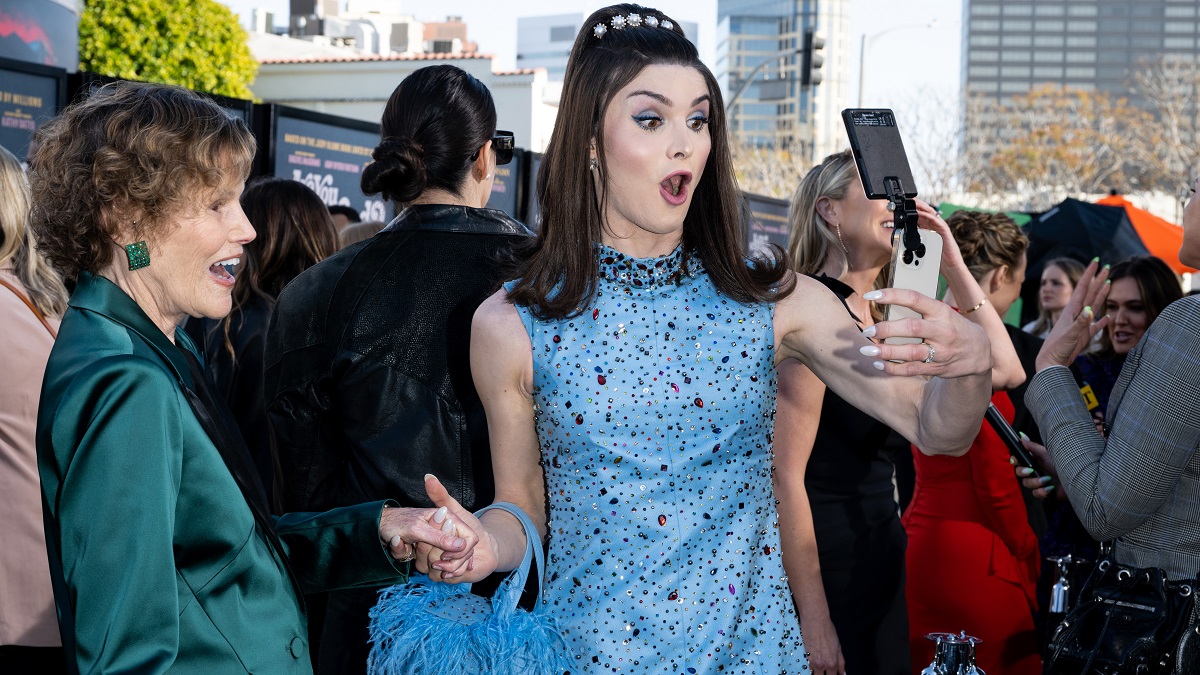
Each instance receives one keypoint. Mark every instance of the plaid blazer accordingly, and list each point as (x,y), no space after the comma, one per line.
(1141,486)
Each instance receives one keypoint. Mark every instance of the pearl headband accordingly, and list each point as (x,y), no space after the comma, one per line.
(632,20)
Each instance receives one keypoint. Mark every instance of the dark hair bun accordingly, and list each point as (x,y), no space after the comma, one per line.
(398,171)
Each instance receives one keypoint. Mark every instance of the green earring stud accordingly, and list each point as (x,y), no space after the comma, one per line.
(139,255)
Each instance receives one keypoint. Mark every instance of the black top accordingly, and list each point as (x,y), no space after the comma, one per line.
(368,371)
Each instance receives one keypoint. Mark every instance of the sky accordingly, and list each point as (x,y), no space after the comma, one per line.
(911,67)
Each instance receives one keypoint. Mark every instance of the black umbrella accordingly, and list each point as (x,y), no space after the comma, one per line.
(1079,230)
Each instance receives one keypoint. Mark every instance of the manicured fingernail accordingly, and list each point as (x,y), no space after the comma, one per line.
(448,526)
(395,542)
(1107,266)
(1045,479)
(869,332)
(872,295)
(428,476)
(1107,282)
(459,543)
(1026,471)
(869,350)
(1048,488)
(1087,311)
(439,515)
(1022,435)
(878,365)
(1096,259)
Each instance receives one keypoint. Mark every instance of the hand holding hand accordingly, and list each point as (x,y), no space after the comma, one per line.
(1075,327)
(952,347)
(456,566)
(404,528)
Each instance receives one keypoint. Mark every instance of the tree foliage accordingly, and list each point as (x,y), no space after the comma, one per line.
(767,171)
(196,44)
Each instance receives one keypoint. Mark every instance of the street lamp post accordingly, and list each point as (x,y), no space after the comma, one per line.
(754,73)
(867,39)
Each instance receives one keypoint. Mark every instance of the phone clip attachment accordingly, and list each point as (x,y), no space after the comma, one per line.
(905,210)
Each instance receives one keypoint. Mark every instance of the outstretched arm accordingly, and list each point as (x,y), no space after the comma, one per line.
(941,414)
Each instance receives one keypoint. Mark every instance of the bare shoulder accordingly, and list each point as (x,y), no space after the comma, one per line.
(500,346)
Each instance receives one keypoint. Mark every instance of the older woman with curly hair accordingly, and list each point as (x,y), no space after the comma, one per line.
(162,552)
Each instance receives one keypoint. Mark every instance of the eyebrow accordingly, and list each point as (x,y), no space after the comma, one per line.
(666,101)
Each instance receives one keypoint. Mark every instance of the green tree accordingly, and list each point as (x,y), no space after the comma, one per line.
(196,44)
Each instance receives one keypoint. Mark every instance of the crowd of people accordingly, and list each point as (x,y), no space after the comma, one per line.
(275,412)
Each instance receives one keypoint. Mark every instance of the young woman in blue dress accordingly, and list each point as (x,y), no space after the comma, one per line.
(629,382)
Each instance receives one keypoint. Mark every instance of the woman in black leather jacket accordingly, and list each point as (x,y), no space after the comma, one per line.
(368,379)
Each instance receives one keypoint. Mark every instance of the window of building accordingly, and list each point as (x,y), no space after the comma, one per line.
(1051,26)
(562,33)
(983,72)
(1047,72)
(981,87)
(1049,10)
(1015,56)
(1178,27)
(1146,10)
(1047,57)
(984,56)
(1081,10)
(1013,9)
(1081,41)
(1146,42)
(1179,43)
(1017,41)
(1014,87)
(1182,11)
(984,25)
(1081,57)
(1114,41)
(979,9)
(1018,25)
(1080,73)
(1015,71)
(1081,26)
(985,40)
(1113,57)
(1048,41)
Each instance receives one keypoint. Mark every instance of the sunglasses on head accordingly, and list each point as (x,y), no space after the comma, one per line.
(503,144)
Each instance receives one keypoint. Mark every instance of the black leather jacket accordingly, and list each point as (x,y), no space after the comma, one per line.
(368,381)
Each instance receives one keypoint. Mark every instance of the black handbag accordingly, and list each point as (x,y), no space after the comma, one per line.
(1128,621)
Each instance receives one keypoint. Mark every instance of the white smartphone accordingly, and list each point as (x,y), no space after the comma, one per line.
(915,273)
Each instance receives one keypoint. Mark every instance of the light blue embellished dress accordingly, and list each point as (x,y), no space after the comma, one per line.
(655,410)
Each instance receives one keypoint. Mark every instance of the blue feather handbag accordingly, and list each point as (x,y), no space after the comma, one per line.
(425,627)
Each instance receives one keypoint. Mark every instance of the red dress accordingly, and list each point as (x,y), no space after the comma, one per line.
(972,558)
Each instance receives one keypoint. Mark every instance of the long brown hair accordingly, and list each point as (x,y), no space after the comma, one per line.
(559,275)
(295,232)
(1157,284)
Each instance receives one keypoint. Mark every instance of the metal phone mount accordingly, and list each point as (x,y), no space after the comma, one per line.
(905,210)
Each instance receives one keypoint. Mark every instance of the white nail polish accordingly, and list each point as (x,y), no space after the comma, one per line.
(448,526)
(869,332)
(439,515)
(872,295)
(395,541)
(878,365)
(869,350)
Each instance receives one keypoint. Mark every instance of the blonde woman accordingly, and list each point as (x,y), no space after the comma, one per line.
(843,545)
(32,298)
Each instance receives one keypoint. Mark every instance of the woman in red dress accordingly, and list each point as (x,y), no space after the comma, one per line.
(972,557)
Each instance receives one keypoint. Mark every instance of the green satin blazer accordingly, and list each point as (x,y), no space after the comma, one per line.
(156,559)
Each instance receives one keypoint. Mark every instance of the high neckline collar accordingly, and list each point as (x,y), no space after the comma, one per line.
(646,272)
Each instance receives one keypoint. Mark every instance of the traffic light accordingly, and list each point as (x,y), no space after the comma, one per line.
(810,70)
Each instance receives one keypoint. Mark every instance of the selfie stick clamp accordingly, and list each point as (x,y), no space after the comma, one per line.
(905,210)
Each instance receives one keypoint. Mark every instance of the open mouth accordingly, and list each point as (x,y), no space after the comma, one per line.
(223,271)
(674,187)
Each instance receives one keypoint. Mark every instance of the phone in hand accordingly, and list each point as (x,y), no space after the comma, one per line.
(1006,433)
(915,273)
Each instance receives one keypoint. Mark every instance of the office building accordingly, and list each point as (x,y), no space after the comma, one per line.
(1013,46)
(759,63)
(545,41)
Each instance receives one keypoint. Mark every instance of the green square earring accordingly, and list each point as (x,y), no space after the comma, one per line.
(139,255)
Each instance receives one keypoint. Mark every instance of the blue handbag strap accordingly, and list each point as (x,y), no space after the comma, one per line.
(533,548)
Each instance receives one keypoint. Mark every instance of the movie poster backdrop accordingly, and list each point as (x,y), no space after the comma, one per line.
(30,95)
(766,223)
(326,153)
